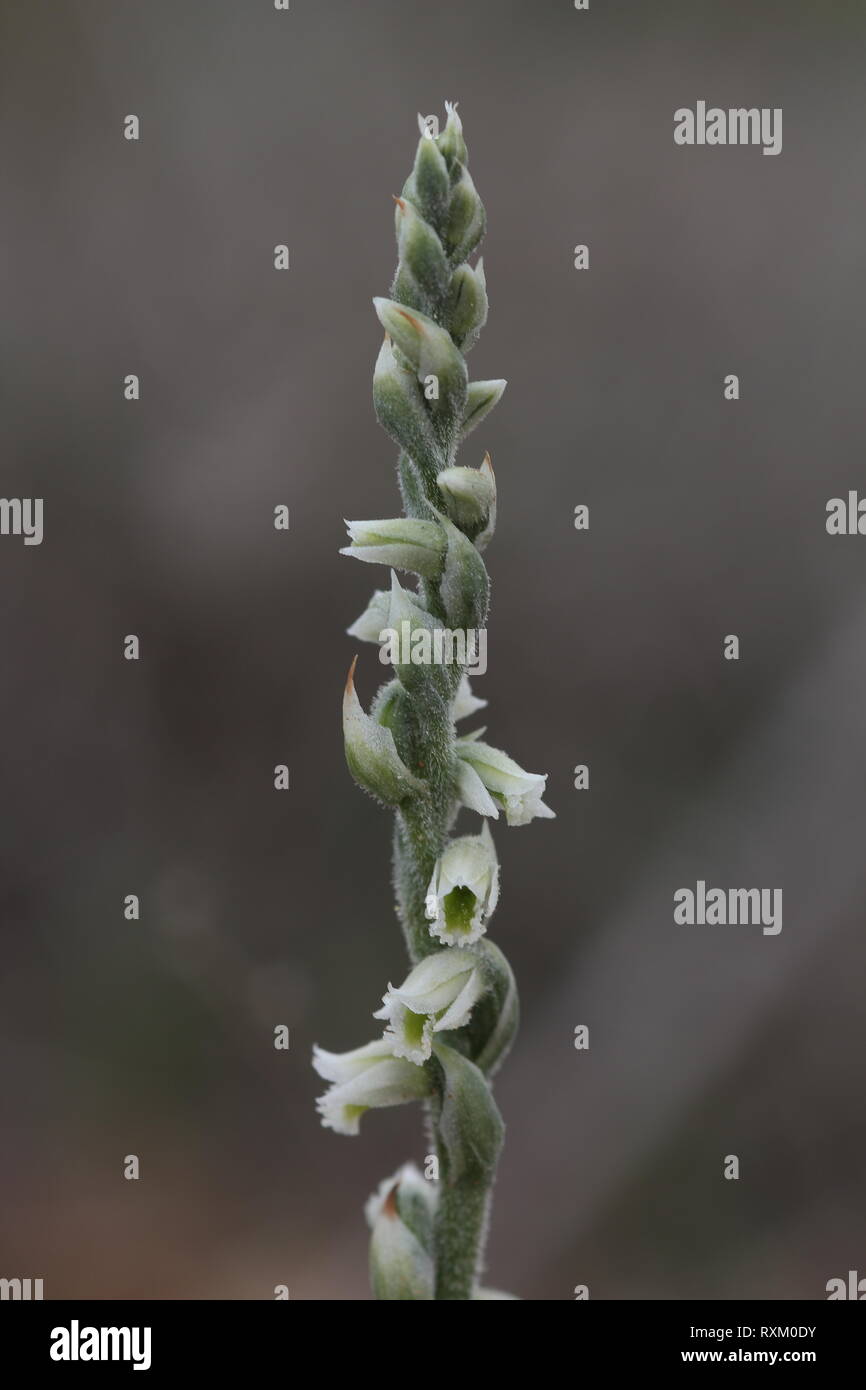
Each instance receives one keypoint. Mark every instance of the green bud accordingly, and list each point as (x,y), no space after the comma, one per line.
(438,364)
(403,543)
(400,1216)
(481,397)
(466,314)
(428,185)
(400,407)
(470,496)
(451,142)
(464,586)
(470,1124)
(466,221)
(423,274)
(371,753)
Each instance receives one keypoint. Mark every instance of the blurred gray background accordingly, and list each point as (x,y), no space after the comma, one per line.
(707,518)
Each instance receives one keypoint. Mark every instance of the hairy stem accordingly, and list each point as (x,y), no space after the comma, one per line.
(460,1236)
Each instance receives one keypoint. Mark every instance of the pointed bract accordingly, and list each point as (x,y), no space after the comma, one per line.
(398,400)
(464,586)
(423,273)
(428,185)
(371,753)
(427,347)
(466,221)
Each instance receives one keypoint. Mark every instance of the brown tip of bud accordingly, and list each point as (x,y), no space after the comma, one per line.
(389,1206)
(399,201)
(486,463)
(350,679)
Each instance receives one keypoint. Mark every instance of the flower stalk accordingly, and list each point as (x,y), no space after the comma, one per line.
(451,1021)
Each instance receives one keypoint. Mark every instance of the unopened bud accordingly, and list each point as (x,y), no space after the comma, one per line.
(481,397)
(403,543)
(467,305)
(470,496)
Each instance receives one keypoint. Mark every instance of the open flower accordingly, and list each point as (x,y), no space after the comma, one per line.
(464,889)
(369,1078)
(437,994)
(488,779)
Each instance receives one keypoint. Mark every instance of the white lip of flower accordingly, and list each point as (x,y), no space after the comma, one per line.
(464,889)
(438,993)
(503,781)
(465,703)
(368,1078)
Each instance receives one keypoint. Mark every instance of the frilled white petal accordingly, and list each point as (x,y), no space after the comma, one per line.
(389,1081)
(520,810)
(518,792)
(344,1066)
(472,791)
(438,993)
